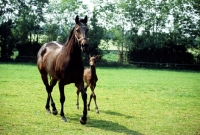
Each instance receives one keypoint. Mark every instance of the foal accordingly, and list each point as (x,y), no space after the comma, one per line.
(90,78)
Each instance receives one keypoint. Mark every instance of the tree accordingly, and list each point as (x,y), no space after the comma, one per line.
(184,21)
(7,17)
(25,17)
(111,18)
(60,16)
(29,18)
(52,32)
(6,39)
(159,20)
(96,33)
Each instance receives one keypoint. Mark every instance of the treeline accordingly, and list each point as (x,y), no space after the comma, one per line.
(165,51)
(143,30)
(173,54)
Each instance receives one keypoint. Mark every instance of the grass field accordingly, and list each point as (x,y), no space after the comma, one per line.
(131,101)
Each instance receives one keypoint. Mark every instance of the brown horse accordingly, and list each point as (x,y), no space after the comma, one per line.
(90,78)
(63,63)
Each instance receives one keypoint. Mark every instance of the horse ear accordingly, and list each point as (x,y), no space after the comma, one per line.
(98,56)
(89,55)
(77,19)
(85,19)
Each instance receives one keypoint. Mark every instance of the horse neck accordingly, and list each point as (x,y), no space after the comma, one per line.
(71,47)
(93,70)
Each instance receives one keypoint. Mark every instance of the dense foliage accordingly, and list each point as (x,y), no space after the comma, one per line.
(143,30)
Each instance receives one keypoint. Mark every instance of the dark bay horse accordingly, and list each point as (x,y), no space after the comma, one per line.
(63,63)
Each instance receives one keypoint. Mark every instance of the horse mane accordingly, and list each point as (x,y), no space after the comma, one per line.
(70,43)
(69,37)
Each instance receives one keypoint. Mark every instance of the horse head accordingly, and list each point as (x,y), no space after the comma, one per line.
(81,33)
(93,59)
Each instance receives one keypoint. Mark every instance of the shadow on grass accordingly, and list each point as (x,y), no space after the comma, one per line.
(116,114)
(110,126)
(106,125)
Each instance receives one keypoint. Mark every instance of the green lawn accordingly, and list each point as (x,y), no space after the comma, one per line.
(131,101)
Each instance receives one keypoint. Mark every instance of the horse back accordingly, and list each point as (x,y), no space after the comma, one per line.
(47,56)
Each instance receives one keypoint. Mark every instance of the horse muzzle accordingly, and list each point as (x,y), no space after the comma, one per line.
(84,47)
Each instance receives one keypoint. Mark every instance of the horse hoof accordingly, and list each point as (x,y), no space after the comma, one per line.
(48,111)
(77,107)
(63,119)
(55,112)
(83,122)
(97,111)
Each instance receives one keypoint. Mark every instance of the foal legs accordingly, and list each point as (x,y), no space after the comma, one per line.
(93,96)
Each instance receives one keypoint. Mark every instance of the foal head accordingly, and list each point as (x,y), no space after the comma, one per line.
(93,59)
(81,33)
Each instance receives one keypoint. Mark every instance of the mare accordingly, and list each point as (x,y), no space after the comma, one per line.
(64,64)
(90,78)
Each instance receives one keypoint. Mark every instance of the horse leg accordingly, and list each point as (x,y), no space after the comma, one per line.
(62,100)
(52,84)
(45,81)
(47,104)
(77,102)
(80,86)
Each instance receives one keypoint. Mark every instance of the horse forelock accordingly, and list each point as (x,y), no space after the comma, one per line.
(82,20)
(82,24)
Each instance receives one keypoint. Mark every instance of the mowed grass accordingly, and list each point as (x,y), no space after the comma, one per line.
(131,101)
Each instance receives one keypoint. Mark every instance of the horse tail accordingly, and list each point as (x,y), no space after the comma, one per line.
(41,52)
